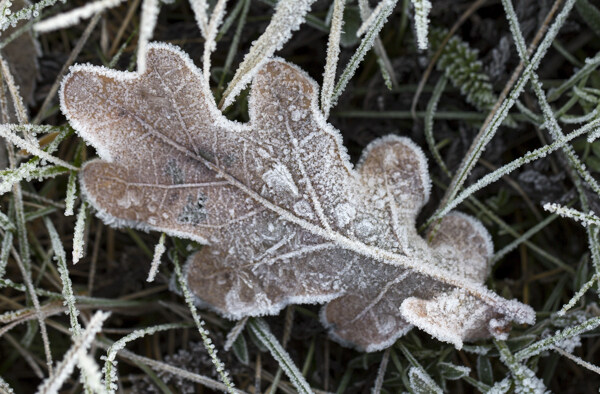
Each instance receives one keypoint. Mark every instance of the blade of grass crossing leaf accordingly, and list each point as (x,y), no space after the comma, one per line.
(210,347)
(228,22)
(363,48)
(383,60)
(199,8)
(333,53)
(210,43)
(262,332)
(150,10)
(289,15)
(235,42)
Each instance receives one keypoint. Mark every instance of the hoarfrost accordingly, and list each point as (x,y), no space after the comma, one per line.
(422,8)
(288,218)
(289,15)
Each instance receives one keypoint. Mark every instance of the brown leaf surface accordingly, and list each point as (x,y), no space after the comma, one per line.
(285,216)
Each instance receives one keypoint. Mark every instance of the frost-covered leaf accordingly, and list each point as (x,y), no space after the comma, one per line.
(286,216)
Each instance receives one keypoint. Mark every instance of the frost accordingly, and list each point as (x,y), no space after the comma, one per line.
(210,35)
(280,179)
(73,17)
(78,241)
(568,344)
(422,8)
(525,379)
(264,335)
(286,216)
(20,55)
(421,382)
(150,10)
(501,387)
(159,249)
(333,52)
(586,219)
(199,7)
(82,343)
(289,15)
(67,286)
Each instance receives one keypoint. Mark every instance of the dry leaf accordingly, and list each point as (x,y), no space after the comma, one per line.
(286,217)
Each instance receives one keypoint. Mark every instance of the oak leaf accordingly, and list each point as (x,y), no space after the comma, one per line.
(286,217)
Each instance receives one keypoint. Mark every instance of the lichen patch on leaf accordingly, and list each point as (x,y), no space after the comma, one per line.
(286,216)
